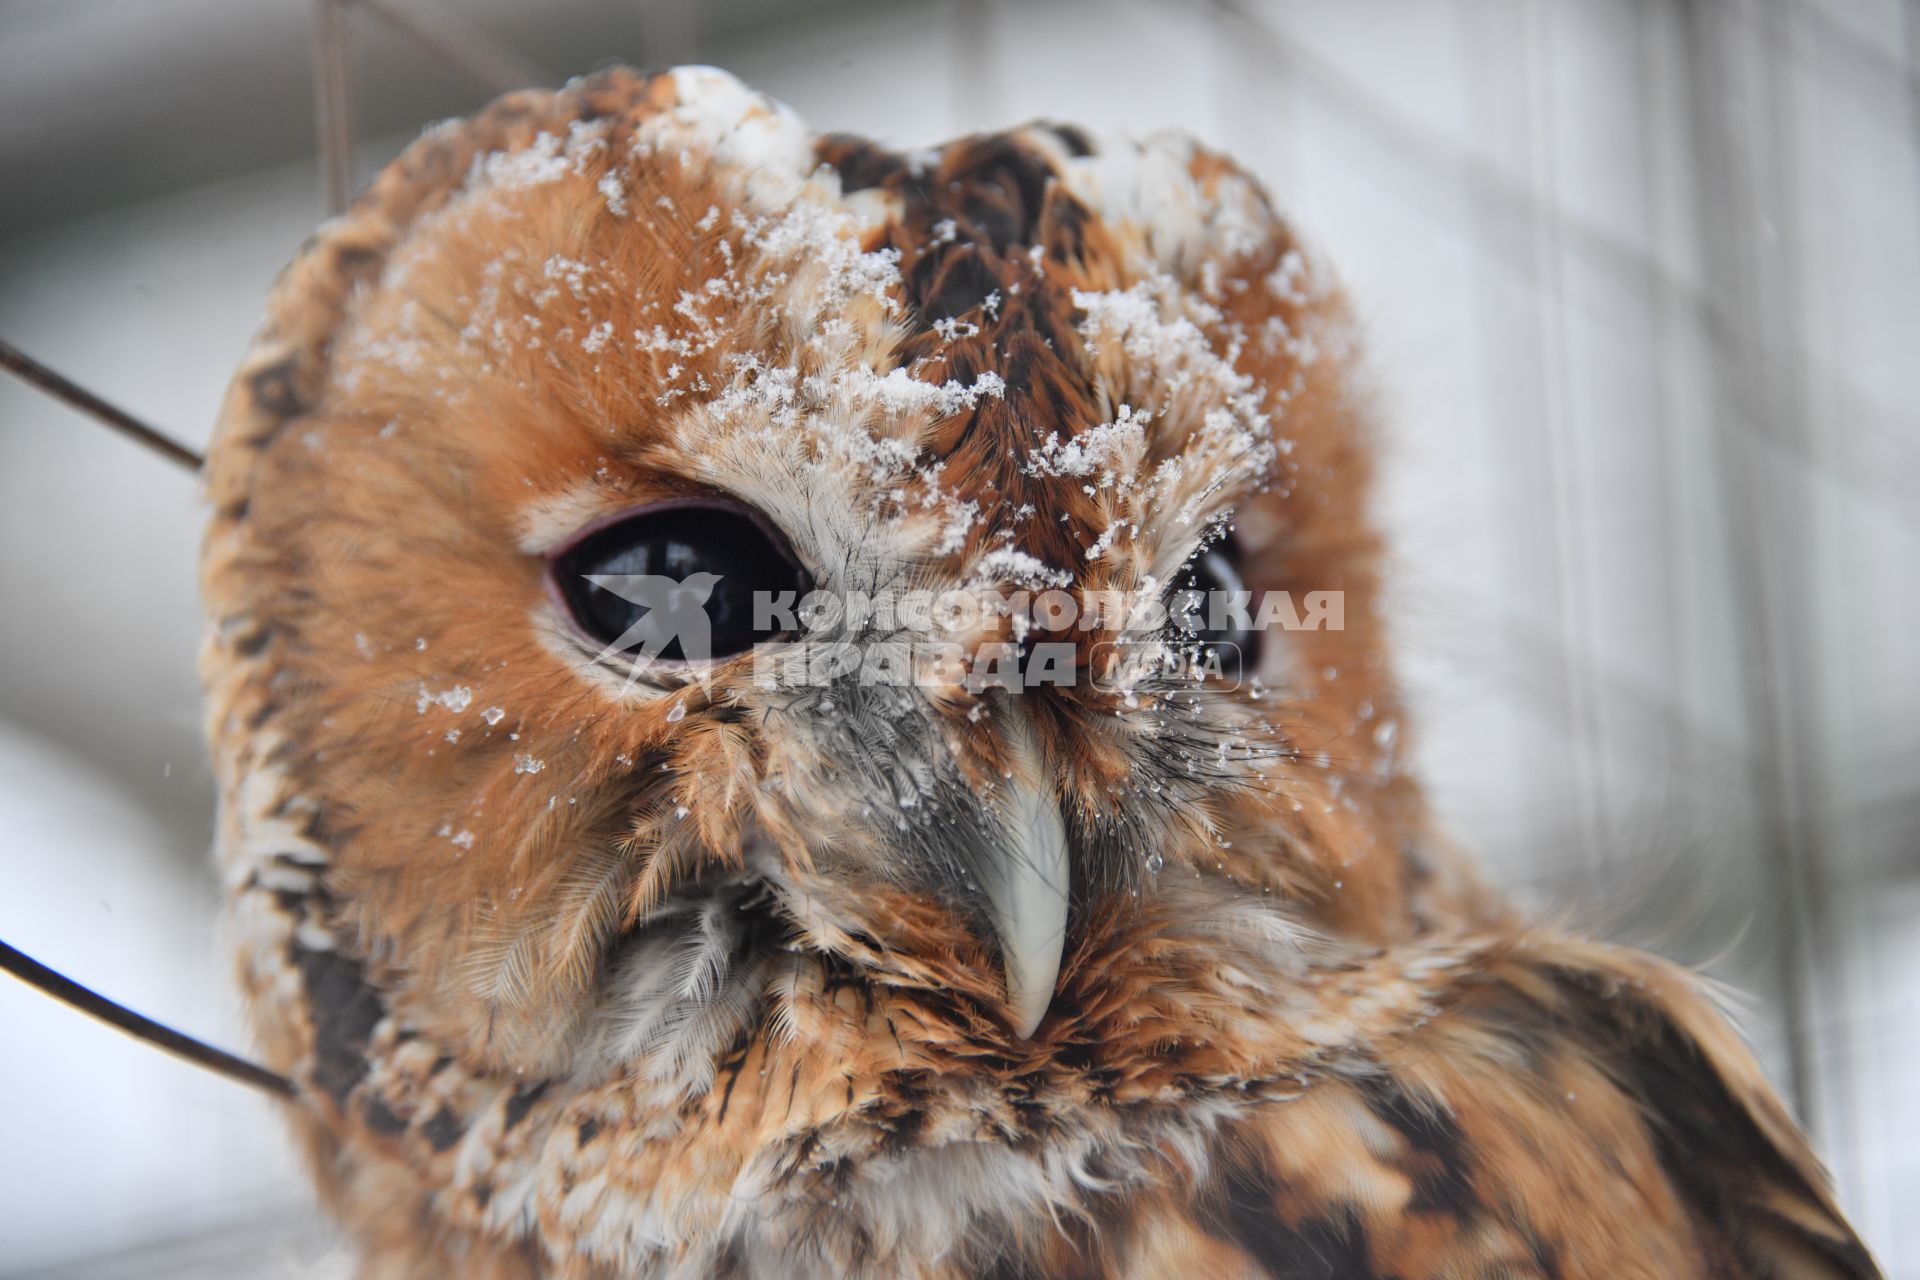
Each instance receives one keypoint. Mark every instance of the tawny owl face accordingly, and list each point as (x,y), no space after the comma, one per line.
(709,787)
(649,331)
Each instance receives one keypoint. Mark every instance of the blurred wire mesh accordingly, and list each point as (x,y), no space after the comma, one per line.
(1642,282)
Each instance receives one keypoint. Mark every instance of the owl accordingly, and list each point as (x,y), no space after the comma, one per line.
(789,709)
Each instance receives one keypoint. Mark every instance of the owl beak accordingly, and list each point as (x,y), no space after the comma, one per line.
(1026,882)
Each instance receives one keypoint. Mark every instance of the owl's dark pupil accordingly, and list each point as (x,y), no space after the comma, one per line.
(678,582)
(1199,603)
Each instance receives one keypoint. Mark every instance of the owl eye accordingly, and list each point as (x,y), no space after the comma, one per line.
(678,581)
(1202,606)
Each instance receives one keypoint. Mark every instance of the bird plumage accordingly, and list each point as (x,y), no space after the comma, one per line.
(586,971)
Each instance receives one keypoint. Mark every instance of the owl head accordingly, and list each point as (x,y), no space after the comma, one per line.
(677,580)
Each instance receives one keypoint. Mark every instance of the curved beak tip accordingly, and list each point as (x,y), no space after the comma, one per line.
(1030,991)
(1029,900)
(1026,876)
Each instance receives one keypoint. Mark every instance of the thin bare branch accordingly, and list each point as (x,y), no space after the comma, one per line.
(31,371)
(139,1026)
(473,51)
(333,101)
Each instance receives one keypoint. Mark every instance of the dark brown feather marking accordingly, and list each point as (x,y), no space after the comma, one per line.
(344,1010)
(381,1118)
(995,185)
(1708,1141)
(861,164)
(1243,1206)
(521,1102)
(956,283)
(276,391)
(442,1129)
(1063,225)
(1440,1168)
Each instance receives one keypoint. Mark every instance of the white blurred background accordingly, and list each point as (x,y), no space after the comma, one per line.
(1643,285)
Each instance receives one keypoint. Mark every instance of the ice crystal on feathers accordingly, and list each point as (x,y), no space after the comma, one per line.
(614,191)
(754,135)
(456,699)
(1151,185)
(1097,451)
(959,519)
(824,422)
(1291,281)
(1158,360)
(548,158)
(1008,564)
